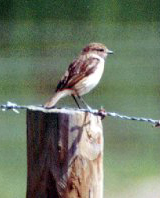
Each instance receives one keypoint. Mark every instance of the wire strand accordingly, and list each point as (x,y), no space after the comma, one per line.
(101,112)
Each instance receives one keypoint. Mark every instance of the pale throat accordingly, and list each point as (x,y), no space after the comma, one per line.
(95,56)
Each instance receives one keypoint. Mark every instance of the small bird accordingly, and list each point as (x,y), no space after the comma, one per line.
(82,75)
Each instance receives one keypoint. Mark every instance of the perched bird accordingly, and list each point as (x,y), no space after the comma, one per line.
(82,75)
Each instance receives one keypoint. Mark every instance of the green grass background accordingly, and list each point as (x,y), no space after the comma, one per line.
(35,50)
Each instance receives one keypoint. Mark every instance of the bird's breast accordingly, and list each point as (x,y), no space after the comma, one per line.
(90,81)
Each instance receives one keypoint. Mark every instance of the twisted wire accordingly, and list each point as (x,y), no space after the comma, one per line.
(101,112)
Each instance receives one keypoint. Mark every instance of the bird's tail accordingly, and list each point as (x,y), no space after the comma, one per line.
(57,96)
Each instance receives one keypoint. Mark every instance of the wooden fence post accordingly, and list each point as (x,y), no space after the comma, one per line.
(64,154)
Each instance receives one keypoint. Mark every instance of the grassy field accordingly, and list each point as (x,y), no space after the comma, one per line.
(33,58)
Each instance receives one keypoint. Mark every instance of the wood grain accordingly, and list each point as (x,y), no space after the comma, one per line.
(64,154)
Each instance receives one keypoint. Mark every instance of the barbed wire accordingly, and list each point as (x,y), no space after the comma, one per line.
(101,112)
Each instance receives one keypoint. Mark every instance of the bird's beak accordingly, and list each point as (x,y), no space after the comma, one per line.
(110,52)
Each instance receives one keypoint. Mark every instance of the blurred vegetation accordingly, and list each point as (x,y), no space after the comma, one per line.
(38,39)
(80,10)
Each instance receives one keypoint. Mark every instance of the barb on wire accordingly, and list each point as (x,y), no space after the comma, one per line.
(12,106)
(101,112)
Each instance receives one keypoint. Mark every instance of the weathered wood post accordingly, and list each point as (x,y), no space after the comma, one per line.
(64,153)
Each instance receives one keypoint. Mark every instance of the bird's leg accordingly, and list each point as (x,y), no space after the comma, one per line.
(76,101)
(82,100)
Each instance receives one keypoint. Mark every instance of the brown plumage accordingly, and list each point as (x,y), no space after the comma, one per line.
(82,75)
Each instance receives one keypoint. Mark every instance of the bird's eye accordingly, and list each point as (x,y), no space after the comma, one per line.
(101,50)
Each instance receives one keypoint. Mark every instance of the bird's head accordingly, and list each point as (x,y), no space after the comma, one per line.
(97,48)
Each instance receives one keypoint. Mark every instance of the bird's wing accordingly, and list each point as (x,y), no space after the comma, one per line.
(77,71)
